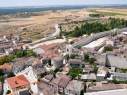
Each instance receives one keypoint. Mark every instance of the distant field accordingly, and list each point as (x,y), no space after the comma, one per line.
(108,13)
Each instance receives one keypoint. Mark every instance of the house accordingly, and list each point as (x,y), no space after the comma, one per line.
(102,73)
(120,76)
(114,60)
(47,78)
(18,64)
(74,63)
(103,86)
(17,83)
(74,87)
(34,62)
(60,82)
(42,49)
(65,79)
(45,89)
(6,67)
(57,62)
(38,71)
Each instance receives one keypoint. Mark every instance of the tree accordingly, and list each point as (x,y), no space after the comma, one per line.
(108,48)
(8,92)
(92,60)
(1,78)
(86,57)
(72,42)
(79,47)
(1,72)
(11,57)
(19,54)
(95,70)
(10,74)
(72,56)
(49,62)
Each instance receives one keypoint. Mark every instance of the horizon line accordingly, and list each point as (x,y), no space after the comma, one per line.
(62,5)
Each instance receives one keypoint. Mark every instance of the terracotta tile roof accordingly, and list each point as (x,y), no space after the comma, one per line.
(5,66)
(50,55)
(74,39)
(17,81)
(47,47)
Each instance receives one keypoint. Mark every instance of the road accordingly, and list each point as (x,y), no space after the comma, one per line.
(52,35)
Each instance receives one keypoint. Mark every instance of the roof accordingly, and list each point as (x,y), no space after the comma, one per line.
(74,39)
(47,47)
(6,66)
(120,74)
(39,71)
(64,80)
(75,85)
(50,55)
(111,92)
(75,61)
(103,87)
(34,61)
(17,81)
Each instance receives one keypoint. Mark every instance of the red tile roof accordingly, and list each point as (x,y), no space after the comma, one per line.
(17,81)
(50,55)
(47,47)
(5,66)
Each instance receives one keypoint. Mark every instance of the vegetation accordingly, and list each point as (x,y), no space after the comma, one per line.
(92,60)
(49,62)
(72,42)
(86,57)
(1,75)
(96,27)
(43,74)
(55,71)
(108,13)
(118,82)
(108,48)
(123,70)
(7,59)
(79,47)
(10,74)
(95,69)
(94,15)
(74,72)
(72,56)
(8,92)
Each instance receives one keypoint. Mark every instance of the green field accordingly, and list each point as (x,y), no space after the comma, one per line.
(108,13)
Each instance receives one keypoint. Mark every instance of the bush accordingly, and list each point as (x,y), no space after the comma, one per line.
(8,92)
(107,48)
(86,57)
(74,72)
(72,42)
(72,56)
(1,78)
(10,74)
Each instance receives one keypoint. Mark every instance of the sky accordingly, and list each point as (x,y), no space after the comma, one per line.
(8,3)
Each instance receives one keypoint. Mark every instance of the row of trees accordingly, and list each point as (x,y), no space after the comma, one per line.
(7,59)
(96,27)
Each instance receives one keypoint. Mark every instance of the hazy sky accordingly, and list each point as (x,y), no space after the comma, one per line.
(57,2)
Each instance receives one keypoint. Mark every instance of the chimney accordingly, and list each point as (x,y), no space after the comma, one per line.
(16,82)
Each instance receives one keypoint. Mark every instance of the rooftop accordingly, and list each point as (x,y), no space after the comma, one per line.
(5,66)
(17,81)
